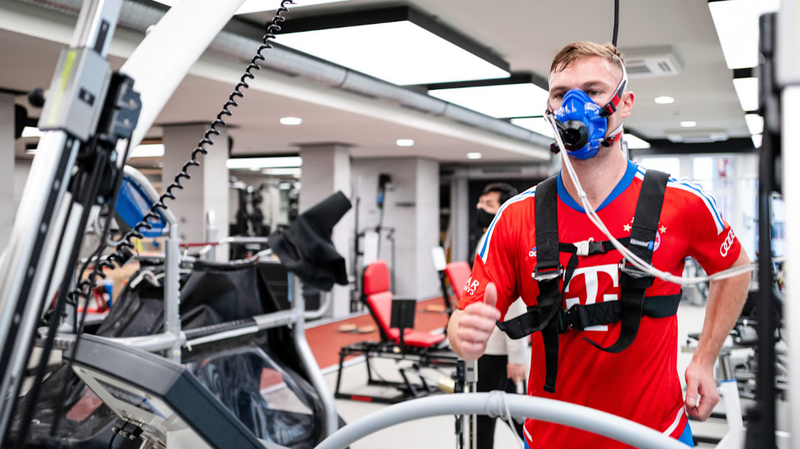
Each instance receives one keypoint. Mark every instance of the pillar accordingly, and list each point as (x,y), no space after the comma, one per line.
(206,194)
(7,210)
(411,207)
(325,171)
(459,220)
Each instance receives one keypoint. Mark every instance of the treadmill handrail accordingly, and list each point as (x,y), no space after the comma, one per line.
(494,404)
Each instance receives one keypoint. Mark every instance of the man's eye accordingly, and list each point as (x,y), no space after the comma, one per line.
(594,93)
(559,96)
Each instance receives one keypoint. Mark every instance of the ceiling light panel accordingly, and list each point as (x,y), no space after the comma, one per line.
(30,131)
(736,22)
(405,143)
(757,140)
(474,156)
(264,162)
(688,124)
(747,90)
(251,6)
(755,123)
(148,150)
(536,124)
(664,100)
(400,52)
(505,100)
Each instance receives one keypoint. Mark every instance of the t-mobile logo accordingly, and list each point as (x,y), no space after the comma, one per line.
(591,281)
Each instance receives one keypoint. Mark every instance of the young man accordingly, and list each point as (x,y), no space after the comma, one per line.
(501,366)
(639,383)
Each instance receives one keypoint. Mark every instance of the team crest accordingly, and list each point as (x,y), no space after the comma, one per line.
(661,230)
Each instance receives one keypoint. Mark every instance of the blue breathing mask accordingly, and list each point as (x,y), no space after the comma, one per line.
(581,124)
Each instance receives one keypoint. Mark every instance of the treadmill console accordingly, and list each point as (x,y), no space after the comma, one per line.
(160,397)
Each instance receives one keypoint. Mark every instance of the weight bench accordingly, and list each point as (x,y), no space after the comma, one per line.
(395,322)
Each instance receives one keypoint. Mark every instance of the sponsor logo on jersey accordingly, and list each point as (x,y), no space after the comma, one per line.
(649,245)
(532,252)
(726,245)
(472,286)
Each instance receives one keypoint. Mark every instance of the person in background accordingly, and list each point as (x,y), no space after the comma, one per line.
(502,366)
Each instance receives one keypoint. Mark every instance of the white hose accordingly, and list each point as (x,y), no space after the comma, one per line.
(548,410)
(630,256)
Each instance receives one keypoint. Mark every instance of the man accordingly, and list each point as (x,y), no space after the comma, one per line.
(501,366)
(639,383)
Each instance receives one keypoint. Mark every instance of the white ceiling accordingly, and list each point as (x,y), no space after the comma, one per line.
(528,33)
(524,32)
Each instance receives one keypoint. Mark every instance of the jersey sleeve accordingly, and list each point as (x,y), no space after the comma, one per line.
(713,243)
(495,262)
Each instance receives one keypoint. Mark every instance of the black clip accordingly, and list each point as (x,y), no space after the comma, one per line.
(547,275)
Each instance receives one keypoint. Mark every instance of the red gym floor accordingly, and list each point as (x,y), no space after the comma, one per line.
(326,340)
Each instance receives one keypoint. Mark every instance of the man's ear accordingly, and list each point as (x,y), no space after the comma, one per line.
(627,104)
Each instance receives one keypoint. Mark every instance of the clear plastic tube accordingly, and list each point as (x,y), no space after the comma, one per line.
(635,260)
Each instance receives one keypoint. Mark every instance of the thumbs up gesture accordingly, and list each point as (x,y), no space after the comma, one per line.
(474,325)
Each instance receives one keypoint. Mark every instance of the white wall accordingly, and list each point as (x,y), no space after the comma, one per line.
(412,208)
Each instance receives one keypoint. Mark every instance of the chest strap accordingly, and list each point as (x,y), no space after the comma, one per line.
(579,317)
(548,316)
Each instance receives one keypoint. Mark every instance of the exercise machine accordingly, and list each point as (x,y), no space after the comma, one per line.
(399,342)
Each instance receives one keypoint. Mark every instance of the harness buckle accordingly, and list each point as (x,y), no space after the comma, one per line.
(588,247)
(548,274)
(571,318)
(633,277)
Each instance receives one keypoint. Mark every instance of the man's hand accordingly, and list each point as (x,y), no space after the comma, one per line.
(515,372)
(474,325)
(700,382)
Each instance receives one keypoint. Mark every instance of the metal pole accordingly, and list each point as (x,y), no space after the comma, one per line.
(172,299)
(764,435)
(331,418)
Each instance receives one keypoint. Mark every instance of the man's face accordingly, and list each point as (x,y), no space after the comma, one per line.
(596,76)
(490,202)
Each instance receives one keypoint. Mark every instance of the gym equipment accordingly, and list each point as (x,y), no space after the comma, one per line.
(164,403)
(393,318)
(359,258)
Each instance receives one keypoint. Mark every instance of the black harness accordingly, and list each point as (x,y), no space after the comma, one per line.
(549,318)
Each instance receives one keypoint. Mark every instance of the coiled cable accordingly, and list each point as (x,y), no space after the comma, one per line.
(125,246)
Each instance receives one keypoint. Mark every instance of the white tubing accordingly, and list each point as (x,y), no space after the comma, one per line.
(734,439)
(627,254)
(161,61)
(494,404)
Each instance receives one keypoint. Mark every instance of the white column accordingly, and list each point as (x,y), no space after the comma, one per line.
(207,192)
(325,171)
(459,220)
(412,208)
(7,210)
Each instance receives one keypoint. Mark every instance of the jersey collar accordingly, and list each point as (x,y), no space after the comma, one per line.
(623,184)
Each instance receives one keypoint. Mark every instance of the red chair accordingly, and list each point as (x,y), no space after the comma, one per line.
(378,296)
(421,348)
(458,273)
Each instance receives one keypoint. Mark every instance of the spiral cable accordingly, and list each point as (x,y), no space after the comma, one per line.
(125,246)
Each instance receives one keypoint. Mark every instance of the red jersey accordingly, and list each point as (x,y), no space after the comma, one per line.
(640,383)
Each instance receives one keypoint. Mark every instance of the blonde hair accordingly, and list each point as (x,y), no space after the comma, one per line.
(583,49)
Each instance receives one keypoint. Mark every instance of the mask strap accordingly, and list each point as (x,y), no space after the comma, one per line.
(613,137)
(611,106)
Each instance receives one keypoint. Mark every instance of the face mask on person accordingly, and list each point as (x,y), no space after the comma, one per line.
(484,219)
(583,124)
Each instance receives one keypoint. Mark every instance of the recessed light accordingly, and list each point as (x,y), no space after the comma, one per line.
(291,121)
(665,100)
(474,155)
(405,143)
(756,140)
(282,172)
(688,124)
(32,151)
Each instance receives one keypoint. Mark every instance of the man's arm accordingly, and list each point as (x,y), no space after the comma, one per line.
(726,298)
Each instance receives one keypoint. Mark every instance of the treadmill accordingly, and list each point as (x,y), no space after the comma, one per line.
(159,401)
